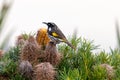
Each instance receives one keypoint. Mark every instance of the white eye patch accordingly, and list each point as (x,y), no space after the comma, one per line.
(49,29)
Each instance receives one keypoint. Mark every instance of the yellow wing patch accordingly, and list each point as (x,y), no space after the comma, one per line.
(54,34)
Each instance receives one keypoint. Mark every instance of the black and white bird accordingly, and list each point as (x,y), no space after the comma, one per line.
(56,34)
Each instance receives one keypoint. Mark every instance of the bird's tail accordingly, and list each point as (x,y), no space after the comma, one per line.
(69,44)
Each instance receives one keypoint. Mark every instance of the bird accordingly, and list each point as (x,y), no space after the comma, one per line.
(56,34)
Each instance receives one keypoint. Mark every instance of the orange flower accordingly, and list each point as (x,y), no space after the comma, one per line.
(42,37)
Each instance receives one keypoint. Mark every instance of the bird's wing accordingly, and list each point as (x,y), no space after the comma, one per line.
(58,34)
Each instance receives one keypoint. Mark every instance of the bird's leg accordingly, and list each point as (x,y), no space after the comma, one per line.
(52,42)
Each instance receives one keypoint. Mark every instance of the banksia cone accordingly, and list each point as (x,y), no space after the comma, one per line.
(51,54)
(30,51)
(25,68)
(1,53)
(44,71)
(42,37)
(4,77)
(20,41)
(22,38)
(110,71)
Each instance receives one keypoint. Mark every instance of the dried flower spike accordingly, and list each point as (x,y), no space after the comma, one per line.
(51,54)
(30,51)
(110,71)
(1,53)
(44,71)
(22,38)
(4,77)
(20,41)
(26,69)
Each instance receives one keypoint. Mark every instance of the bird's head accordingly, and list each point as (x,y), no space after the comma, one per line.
(50,24)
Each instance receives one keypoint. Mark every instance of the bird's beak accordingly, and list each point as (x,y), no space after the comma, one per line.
(44,23)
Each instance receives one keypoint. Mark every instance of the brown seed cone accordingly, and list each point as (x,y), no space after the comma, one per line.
(42,37)
(30,51)
(51,54)
(110,71)
(44,71)
(4,77)
(25,68)
(20,40)
(1,53)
